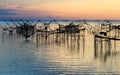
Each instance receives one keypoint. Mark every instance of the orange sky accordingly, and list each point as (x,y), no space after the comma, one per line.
(65,9)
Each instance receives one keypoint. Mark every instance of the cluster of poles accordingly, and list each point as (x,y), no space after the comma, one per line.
(28,28)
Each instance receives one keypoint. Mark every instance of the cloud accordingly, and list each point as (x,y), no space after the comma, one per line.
(18,13)
(7,12)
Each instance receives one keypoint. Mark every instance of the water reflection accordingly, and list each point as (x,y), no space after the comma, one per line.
(64,57)
(73,42)
(58,54)
(104,48)
(106,51)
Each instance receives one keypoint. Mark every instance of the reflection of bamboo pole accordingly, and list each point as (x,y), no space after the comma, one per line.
(115,41)
(64,36)
(106,48)
(42,39)
(95,46)
(109,46)
(101,51)
(115,33)
(75,36)
(114,45)
(53,37)
(118,33)
(78,42)
(83,45)
(37,39)
(57,37)
(79,38)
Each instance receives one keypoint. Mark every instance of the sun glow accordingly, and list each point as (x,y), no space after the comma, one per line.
(73,9)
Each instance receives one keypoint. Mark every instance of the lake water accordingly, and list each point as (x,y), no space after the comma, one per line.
(67,56)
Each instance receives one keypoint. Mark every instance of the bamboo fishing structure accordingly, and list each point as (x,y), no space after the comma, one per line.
(103,34)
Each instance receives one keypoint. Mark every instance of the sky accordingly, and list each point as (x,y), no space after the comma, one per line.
(60,9)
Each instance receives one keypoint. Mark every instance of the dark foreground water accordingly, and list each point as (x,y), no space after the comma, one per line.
(72,56)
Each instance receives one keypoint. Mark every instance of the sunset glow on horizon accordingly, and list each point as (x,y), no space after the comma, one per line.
(60,9)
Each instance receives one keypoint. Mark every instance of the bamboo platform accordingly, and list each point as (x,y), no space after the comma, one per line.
(107,37)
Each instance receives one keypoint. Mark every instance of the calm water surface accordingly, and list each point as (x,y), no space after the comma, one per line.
(40,56)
